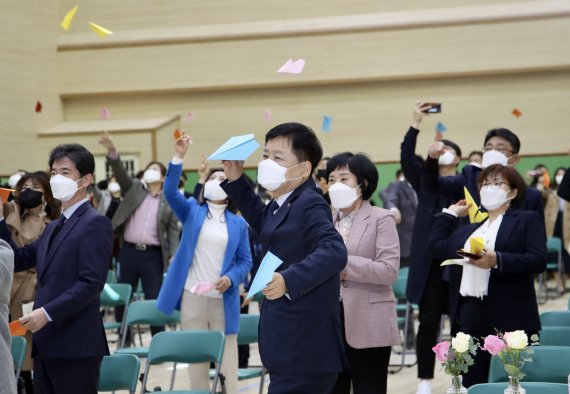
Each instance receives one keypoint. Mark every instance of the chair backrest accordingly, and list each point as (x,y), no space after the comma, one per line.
(145,312)
(554,245)
(18,350)
(549,364)
(555,318)
(111,277)
(399,286)
(555,336)
(124,291)
(530,387)
(248,329)
(119,372)
(192,346)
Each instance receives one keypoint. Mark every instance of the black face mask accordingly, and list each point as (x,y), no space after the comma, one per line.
(30,198)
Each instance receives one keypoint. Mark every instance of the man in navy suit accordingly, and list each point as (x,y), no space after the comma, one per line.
(501,146)
(300,337)
(71,258)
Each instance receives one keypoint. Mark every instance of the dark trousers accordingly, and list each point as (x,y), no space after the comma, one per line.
(368,368)
(295,384)
(243,350)
(432,306)
(473,320)
(66,375)
(146,265)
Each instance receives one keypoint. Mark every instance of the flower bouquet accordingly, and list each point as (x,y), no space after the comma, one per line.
(513,350)
(456,357)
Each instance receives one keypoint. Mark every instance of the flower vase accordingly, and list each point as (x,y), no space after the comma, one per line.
(457,385)
(514,386)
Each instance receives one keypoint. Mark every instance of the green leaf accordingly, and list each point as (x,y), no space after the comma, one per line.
(512,370)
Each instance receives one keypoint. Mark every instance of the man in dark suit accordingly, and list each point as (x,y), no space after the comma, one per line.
(501,146)
(300,338)
(71,258)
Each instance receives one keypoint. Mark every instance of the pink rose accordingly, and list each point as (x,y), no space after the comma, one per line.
(441,351)
(494,345)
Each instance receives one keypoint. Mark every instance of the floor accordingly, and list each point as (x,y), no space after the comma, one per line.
(402,382)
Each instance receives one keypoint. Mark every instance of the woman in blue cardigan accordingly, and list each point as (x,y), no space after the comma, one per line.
(214,253)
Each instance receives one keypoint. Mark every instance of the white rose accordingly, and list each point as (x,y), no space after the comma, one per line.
(516,339)
(461,342)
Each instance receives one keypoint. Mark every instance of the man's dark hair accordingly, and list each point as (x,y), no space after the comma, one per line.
(399,173)
(81,157)
(158,163)
(304,142)
(361,166)
(475,152)
(507,135)
(453,146)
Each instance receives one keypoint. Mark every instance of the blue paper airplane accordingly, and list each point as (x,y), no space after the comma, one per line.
(327,120)
(236,148)
(264,274)
(440,127)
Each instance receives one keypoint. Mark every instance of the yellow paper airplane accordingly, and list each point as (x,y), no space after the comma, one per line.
(476,245)
(475,216)
(68,18)
(100,30)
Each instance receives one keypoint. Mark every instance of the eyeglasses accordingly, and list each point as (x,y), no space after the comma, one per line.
(502,150)
(494,184)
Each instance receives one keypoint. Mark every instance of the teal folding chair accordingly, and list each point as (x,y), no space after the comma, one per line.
(248,334)
(191,346)
(125,292)
(549,364)
(555,336)
(403,305)
(18,350)
(111,277)
(530,387)
(555,318)
(554,247)
(119,372)
(144,312)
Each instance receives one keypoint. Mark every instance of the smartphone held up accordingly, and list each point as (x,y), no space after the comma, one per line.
(432,108)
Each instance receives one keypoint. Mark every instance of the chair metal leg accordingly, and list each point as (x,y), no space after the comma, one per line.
(173,377)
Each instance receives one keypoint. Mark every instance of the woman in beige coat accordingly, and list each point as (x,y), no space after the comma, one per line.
(27,216)
(368,305)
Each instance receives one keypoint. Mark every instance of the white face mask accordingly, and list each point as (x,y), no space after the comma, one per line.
(213,191)
(114,187)
(342,196)
(63,188)
(271,175)
(494,157)
(401,179)
(446,159)
(558,179)
(151,176)
(13,180)
(493,197)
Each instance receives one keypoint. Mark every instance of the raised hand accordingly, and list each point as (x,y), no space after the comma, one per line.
(182,144)
(419,113)
(203,170)
(233,169)
(107,142)
(436,149)
(461,208)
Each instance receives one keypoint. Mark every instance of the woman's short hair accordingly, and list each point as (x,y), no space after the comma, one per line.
(509,175)
(304,142)
(158,163)
(202,200)
(361,166)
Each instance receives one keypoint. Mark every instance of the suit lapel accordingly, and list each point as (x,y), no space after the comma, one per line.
(359,226)
(63,233)
(505,230)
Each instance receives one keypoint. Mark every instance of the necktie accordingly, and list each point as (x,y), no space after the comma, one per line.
(270,210)
(57,229)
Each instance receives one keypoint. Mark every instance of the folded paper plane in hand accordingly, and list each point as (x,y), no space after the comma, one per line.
(68,18)
(202,287)
(16,329)
(475,215)
(476,245)
(236,148)
(264,274)
(100,30)
(292,67)
(5,194)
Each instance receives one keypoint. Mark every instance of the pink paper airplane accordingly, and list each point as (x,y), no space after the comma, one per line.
(292,67)
(202,287)
(268,115)
(105,113)
(189,117)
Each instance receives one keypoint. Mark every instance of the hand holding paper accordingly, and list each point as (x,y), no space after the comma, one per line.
(264,274)
(16,329)
(201,288)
